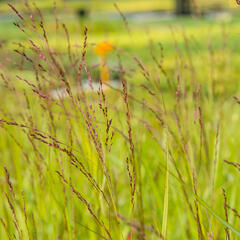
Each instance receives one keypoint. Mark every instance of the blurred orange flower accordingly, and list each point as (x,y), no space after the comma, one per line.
(103,48)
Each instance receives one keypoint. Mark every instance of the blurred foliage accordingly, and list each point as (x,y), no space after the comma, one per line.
(125,5)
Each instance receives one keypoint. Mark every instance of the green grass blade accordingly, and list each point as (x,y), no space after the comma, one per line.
(217,216)
(166,193)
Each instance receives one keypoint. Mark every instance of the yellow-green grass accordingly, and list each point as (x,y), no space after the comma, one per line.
(208,59)
(99,5)
(125,5)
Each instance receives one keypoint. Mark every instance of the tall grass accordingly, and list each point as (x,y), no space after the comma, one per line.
(155,158)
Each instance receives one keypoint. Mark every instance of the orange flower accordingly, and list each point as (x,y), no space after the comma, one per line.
(103,48)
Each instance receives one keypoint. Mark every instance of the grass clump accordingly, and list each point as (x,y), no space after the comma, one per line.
(155,158)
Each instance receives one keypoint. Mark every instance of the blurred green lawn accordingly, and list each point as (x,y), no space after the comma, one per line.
(201,32)
(125,5)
